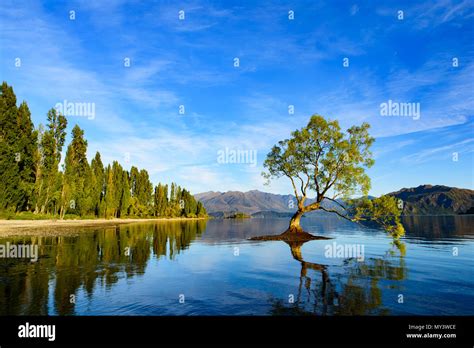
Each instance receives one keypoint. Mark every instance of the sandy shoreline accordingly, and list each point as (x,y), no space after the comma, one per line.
(46,227)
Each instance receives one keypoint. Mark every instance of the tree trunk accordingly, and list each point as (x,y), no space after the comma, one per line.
(46,201)
(62,205)
(295,222)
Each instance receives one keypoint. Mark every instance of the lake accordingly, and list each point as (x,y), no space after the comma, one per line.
(211,268)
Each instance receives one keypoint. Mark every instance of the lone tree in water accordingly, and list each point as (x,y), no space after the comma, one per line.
(322,159)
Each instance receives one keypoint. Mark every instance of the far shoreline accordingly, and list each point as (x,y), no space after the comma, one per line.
(21,227)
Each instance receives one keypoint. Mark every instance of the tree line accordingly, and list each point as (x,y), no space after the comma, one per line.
(31,179)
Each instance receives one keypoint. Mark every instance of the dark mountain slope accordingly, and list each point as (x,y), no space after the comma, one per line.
(435,200)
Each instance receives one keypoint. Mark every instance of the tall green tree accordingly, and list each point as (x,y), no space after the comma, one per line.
(173,192)
(134,173)
(188,204)
(109,193)
(141,192)
(125,194)
(17,151)
(97,184)
(117,191)
(10,194)
(160,200)
(321,158)
(200,210)
(52,142)
(76,179)
(144,189)
(26,149)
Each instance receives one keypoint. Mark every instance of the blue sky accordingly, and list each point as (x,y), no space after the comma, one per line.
(283,62)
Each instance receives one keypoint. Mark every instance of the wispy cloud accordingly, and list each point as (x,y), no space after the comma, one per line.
(441,152)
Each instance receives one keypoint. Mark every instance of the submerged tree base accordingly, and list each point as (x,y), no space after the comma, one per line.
(291,235)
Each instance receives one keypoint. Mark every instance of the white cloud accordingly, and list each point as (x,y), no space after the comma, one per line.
(438,152)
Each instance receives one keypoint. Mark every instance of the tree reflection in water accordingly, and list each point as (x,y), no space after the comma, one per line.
(86,260)
(356,292)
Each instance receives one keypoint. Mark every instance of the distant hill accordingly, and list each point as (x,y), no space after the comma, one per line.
(222,204)
(247,202)
(435,200)
(421,200)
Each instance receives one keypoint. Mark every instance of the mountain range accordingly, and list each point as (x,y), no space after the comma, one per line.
(435,200)
(421,200)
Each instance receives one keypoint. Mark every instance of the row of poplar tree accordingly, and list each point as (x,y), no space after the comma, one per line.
(30,178)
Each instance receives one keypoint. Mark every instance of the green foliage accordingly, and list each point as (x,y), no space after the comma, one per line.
(26,147)
(116,200)
(32,185)
(322,158)
(383,211)
(17,150)
(160,199)
(97,185)
(48,178)
(332,163)
(76,189)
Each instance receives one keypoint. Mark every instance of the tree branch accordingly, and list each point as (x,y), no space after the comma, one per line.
(316,170)
(337,213)
(311,207)
(302,184)
(336,175)
(294,186)
(335,201)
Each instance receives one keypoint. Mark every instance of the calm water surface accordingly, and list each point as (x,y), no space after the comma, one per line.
(216,271)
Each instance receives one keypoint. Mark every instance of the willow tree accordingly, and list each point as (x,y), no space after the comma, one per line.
(322,159)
